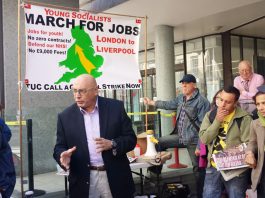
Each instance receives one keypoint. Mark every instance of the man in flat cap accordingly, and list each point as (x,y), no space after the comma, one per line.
(191,107)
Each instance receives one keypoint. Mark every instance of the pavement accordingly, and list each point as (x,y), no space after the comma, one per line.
(54,185)
(50,183)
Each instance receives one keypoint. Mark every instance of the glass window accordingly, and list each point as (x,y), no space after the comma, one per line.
(179,65)
(195,62)
(107,93)
(213,65)
(150,59)
(178,76)
(248,49)
(148,88)
(261,56)
(124,95)
(235,53)
(261,47)
(178,51)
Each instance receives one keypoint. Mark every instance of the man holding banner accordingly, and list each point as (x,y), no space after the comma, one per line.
(93,137)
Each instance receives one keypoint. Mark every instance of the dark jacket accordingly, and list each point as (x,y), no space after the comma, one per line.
(114,124)
(7,169)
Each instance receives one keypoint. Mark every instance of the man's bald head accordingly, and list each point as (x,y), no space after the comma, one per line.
(86,79)
(85,92)
(245,69)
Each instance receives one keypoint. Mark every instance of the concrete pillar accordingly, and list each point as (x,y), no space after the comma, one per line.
(165,74)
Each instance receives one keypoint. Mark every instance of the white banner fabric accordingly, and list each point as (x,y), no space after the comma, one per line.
(61,45)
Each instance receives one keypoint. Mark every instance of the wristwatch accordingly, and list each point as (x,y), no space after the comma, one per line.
(114,147)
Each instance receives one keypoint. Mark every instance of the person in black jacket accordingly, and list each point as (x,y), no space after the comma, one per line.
(7,169)
(93,137)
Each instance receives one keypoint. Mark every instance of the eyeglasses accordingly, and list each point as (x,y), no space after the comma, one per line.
(82,91)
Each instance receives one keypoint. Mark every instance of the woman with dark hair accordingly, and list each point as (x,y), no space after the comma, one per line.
(255,149)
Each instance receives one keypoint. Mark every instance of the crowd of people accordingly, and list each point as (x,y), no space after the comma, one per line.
(206,129)
(94,135)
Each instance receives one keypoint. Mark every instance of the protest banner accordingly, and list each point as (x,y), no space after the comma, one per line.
(63,44)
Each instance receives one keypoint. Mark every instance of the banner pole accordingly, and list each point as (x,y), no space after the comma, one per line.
(19,97)
(145,75)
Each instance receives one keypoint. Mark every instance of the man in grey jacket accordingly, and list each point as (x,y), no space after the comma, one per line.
(191,107)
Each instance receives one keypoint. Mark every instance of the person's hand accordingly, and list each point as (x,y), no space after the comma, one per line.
(197,152)
(148,101)
(250,160)
(65,157)
(221,113)
(102,144)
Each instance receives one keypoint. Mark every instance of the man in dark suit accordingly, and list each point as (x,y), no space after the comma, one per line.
(93,137)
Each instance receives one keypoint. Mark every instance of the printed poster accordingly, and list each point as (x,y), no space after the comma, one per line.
(62,44)
(231,158)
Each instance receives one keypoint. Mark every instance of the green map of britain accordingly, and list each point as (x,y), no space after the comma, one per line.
(81,58)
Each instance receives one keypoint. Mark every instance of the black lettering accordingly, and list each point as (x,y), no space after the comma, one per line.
(34,86)
(70,23)
(46,87)
(49,20)
(30,18)
(128,30)
(58,20)
(30,37)
(40,20)
(82,24)
(120,29)
(90,25)
(113,28)
(135,31)
(99,27)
